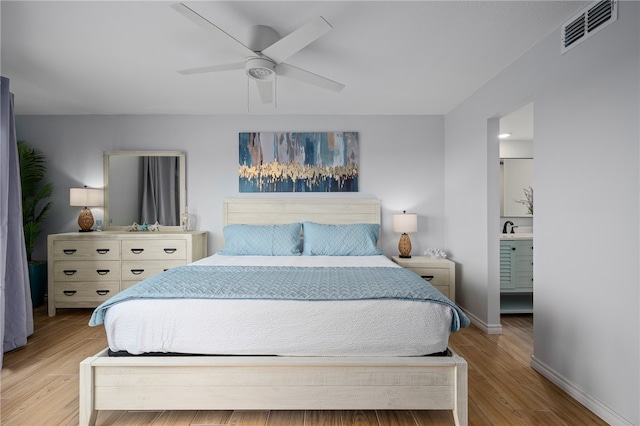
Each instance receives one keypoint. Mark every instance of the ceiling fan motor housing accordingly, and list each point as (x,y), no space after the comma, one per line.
(260,68)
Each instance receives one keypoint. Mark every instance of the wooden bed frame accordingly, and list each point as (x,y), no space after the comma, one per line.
(277,383)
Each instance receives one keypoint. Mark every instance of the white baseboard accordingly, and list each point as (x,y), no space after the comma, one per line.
(598,408)
(487,328)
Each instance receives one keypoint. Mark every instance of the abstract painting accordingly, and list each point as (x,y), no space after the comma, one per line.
(298,162)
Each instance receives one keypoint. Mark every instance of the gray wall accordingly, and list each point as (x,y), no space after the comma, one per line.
(401,162)
(586,223)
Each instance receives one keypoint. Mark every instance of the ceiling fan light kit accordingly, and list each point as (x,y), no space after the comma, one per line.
(260,69)
(265,53)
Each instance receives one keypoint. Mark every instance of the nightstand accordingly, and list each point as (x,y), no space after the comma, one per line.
(441,273)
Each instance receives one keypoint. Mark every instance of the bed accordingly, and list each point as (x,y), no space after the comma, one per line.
(279,372)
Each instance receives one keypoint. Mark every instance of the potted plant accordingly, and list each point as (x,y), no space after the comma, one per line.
(528,201)
(33,167)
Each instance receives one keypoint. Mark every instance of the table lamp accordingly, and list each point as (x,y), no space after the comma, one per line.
(85,197)
(404,224)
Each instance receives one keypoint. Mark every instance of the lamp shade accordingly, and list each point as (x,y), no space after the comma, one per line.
(85,197)
(405,223)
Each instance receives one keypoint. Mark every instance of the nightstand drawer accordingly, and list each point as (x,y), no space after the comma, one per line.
(70,295)
(154,249)
(86,250)
(108,270)
(436,277)
(138,271)
(440,273)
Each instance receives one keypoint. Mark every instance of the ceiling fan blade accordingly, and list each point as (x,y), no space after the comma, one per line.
(286,70)
(213,29)
(265,90)
(213,68)
(290,44)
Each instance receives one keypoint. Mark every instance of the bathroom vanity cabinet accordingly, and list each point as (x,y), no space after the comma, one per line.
(516,276)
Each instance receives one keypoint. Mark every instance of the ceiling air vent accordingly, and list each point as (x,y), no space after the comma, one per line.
(587,22)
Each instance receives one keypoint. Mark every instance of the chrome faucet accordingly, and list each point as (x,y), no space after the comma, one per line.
(504,228)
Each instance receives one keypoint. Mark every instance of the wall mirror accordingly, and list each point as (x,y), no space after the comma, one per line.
(516,174)
(144,186)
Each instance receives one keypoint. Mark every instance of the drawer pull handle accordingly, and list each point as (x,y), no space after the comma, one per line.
(102,292)
(427,277)
(69,251)
(136,250)
(69,292)
(69,271)
(137,271)
(170,250)
(165,270)
(102,271)
(102,251)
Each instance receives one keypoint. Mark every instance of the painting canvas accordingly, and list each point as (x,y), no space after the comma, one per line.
(298,162)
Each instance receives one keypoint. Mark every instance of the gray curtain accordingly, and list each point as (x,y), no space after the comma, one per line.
(160,194)
(16,314)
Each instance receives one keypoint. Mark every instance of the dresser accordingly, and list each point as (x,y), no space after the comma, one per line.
(516,276)
(441,273)
(85,269)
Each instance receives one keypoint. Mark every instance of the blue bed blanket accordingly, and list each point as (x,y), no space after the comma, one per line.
(284,283)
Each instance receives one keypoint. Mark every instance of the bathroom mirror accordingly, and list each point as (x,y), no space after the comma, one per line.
(516,174)
(132,191)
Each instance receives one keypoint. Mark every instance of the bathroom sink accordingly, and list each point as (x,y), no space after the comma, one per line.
(517,236)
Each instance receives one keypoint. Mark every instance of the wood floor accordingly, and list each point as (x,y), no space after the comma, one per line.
(40,385)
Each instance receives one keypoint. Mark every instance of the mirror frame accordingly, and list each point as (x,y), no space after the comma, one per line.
(107,155)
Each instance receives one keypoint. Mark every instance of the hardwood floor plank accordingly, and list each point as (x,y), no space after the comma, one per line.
(139,418)
(109,418)
(433,417)
(359,418)
(248,418)
(45,398)
(395,418)
(477,416)
(322,418)
(212,418)
(286,418)
(175,418)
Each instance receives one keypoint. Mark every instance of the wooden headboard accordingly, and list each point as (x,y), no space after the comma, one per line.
(267,211)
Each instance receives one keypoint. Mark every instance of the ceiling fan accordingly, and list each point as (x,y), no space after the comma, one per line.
(264,53)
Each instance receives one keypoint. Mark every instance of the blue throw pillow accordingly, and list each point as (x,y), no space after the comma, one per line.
(358,239)
(262,240)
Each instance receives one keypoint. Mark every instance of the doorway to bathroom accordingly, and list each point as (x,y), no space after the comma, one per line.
(516,213)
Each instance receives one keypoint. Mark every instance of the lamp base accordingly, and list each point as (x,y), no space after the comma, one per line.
(85,220)
(404,246)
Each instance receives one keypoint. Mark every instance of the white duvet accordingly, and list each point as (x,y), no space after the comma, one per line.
(281,327)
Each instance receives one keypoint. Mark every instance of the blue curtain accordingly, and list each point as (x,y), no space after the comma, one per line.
(16,313)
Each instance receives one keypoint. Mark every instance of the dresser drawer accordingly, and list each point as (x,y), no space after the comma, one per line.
(154,249)
(75,294)
(86,270)
(138,271)
(86,250)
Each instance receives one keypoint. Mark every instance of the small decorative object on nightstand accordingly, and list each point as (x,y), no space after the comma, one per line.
(441,273)
(405,223)
(85,197)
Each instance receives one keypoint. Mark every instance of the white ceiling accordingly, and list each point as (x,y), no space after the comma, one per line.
(117,57)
